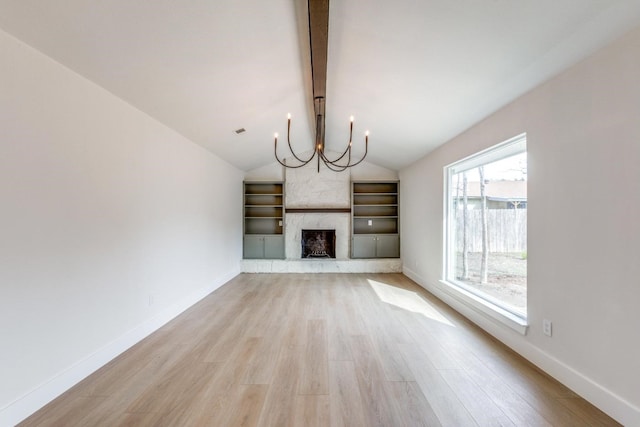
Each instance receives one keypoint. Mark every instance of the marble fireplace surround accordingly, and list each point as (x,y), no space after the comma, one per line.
(295,222)
(317,200)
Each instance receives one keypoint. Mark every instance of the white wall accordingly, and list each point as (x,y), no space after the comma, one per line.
(110,224)
(583,139)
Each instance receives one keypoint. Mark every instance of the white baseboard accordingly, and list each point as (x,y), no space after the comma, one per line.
(29,403)
(615,406)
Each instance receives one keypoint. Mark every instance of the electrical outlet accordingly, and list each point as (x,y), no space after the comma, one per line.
(546,327)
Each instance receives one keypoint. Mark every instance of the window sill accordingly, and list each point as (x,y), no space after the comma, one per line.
(486,308)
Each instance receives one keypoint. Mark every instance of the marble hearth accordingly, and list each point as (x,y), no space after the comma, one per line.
(390,265)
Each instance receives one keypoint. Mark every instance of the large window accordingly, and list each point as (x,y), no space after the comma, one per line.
(486,215)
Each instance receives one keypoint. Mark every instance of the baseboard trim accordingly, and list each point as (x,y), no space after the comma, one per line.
(613,405)
(35,399)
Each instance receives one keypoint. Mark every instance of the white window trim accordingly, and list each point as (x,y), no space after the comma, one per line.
(485,307)
(479,304)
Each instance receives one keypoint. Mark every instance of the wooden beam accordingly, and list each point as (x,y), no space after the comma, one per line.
(317,210)
(319,38)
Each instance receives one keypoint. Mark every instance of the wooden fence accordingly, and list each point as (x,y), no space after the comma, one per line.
(507,230)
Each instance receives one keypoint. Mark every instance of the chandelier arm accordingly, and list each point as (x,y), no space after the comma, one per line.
(332,166)
(342,168)
(348,149)
(326,160)
(339,158)
(335,168)
(291,166)
(349,164)
(358,162)
(291,148)
(366,149)
(303,163)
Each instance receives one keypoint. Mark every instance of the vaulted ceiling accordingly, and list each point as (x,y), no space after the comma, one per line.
(414,73)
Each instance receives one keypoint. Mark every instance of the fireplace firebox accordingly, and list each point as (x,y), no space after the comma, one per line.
(318,243)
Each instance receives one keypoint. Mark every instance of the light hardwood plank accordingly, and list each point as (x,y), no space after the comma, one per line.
(245,410)
(314,377)
(279,403)
(319,350)
(592,415)
(519,411)
(443,400)
(483,410)
(415,410)
(312,411)
(379,410)
(346,403)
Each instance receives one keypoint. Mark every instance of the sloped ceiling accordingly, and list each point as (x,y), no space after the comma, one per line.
(414,73)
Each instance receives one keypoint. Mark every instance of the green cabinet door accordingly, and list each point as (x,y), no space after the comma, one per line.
(253,247)
(375,246)
(387,246)
(363,246)
(274,247)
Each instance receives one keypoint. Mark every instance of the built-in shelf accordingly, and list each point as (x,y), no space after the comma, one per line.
(375,219)
(263,220)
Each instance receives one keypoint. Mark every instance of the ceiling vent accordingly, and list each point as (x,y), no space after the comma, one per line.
(239,131)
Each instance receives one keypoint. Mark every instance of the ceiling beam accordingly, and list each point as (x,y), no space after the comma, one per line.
(319,40)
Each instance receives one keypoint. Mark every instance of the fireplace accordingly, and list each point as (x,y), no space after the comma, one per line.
(318,243)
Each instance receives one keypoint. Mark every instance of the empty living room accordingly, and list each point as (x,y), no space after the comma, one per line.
(319,213)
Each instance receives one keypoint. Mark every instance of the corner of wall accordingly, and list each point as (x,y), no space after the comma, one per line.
(615,406)
(41,395)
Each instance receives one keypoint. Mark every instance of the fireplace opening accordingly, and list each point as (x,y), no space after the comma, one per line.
(318,243)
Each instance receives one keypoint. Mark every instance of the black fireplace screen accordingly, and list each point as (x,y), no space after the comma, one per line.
(318,243)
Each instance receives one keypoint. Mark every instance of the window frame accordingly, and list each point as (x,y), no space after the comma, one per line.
(484,303)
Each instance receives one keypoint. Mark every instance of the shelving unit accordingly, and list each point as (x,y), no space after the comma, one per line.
(375,219)
(263,220)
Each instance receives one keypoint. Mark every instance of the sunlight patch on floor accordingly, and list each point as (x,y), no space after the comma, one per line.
(407,300)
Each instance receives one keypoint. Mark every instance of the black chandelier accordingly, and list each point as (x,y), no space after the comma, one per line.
(340,164)
(318,38)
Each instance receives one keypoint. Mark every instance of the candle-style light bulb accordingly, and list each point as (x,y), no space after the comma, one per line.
(366,137)
(288,116)
(275,136)
(351,119)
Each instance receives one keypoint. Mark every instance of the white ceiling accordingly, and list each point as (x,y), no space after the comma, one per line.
(415,73)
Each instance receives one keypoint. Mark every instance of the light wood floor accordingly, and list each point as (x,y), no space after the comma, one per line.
(319,350)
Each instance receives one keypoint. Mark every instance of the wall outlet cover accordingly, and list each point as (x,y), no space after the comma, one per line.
(546,327)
